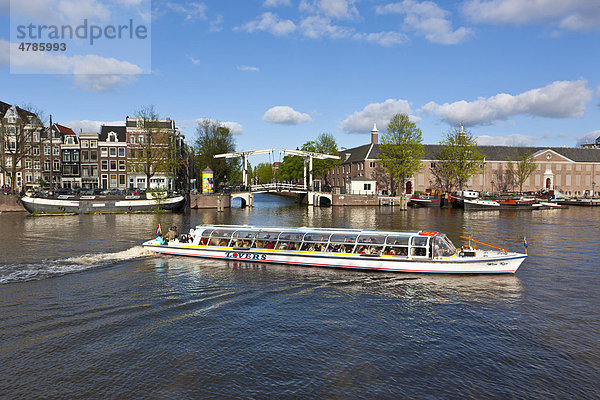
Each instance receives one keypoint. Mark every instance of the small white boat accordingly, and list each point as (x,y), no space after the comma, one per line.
(421,252)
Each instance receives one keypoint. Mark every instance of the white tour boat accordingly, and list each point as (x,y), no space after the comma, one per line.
(423,252)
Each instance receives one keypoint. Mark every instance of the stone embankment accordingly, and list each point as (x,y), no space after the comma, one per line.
(10,203)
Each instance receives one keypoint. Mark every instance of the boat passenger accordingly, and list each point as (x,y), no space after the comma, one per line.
(271,245)
(161,240)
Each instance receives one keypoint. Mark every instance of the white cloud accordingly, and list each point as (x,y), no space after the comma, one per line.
(86,125)
(427,19)
(285,115)
(65,11)
(90,72)
(507,140)
(560,99)
(216,24)
(383,38)
(316,26)
(269,22)
(192,11)
(588,137)
(194,61)
(567,14)
(338,9)
(247,68)
(276,3)
(380,113)
(234,127)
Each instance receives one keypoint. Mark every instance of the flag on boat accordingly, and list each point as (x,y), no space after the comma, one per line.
(525,243)
(158,231)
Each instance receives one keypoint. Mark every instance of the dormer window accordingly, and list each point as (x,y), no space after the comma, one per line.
(69,140)
(112,137)
(12,119)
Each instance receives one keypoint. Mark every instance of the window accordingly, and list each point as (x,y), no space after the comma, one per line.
(372,164)
(36,137)
(367,186)
(28,163)
(93,143)
(104,151)
(36,151)
(75,156)
(47,165)
(93,155)
(121,180)
(121,165)
(93,171)
(56,165)
(36,164)
(132,138)
(113,180)
(122,152)
(67,169)
(69,140)
(85,171)
(112,137)
(46,150)
(28,178)
(56,151)
(113,165)
(66,156)
(104,165)
(113,152)
(12,119)
(9,162)
(84,143)
(84,155)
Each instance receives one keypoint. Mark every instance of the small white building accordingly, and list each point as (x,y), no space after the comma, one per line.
(362,185)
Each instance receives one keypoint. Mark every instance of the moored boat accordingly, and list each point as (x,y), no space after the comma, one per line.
(100,204)
(425,201)
(419,252)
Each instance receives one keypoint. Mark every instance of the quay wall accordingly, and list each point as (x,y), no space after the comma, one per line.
(354,200)
(10,203)
(209,200)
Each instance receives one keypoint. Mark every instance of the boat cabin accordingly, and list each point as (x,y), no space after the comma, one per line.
(424,244)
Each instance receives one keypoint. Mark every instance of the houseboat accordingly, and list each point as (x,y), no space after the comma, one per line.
(418,252)
(100,204)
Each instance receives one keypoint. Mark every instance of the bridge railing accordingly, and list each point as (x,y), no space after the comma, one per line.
(279,187)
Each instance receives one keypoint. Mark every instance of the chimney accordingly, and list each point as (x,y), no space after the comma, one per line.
(374,135)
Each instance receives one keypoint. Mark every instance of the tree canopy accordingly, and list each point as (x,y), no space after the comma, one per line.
(522,168)
(212,138)
(459,159)
(401,149)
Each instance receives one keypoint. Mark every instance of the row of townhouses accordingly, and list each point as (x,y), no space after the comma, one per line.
(573,171)
(117,157)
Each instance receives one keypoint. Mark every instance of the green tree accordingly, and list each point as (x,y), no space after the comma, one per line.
(291,168)
(459,158)
(211,139)
(263,173)
(522,168)
(159,150)
(324,144)
(401,149)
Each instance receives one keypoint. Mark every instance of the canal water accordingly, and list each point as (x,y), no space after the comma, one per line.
(86,313)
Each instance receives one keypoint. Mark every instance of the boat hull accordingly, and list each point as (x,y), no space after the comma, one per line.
(417,202)
(507,264)
(100,205)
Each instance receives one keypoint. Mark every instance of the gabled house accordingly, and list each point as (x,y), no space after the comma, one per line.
(112,143)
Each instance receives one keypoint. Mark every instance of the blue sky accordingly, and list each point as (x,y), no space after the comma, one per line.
(280,72)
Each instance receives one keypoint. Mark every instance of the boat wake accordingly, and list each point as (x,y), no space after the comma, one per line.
(50,268)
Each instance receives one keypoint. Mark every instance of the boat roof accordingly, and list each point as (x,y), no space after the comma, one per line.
(305,229)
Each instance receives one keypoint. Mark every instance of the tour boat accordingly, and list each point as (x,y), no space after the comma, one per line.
(419,252)
(100,204)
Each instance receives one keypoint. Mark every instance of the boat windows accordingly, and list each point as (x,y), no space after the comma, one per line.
(315,241)
(396,246)
(443,247)
(205,237)
(342,243)
(243,239)
(289,241)
(370,244)
(266,239)
(221,237)
(419,246)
